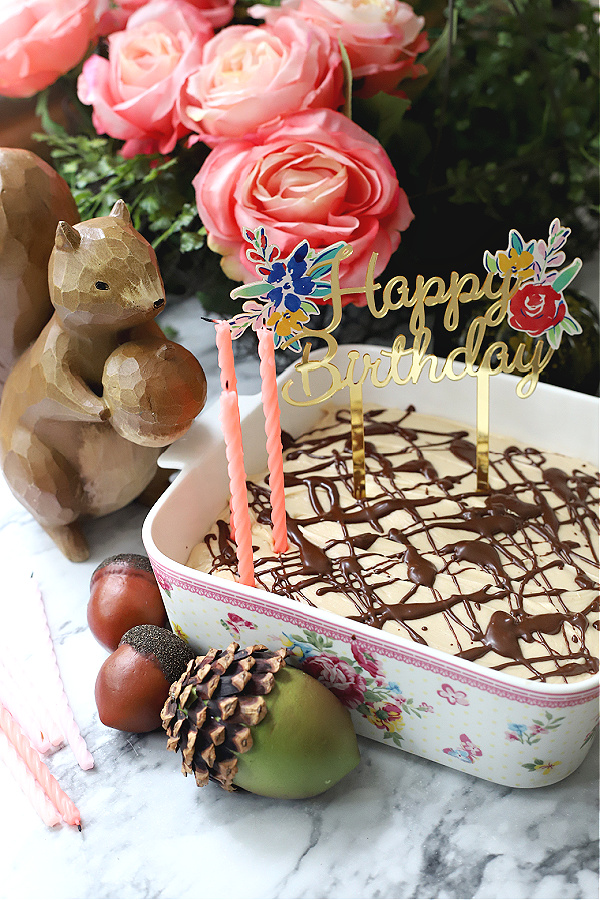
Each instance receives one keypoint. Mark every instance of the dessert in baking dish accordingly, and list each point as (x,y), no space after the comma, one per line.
(507,579)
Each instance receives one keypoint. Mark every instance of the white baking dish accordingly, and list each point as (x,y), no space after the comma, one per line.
(490,724)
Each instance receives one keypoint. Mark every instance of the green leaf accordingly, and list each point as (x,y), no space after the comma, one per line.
(516,241)
(564,278)
(371,695)
(571,326)
(381,115)
(432,59)
(41,110)
(190,241)
(309,307)
(489,262)
(554,335)
(321,290)
(347,70)
(256,289)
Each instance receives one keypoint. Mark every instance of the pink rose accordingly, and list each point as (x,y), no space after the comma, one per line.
(381,37)
(253,75)
(341,679)
(39,41)
(135,92)
(365,660)
(216,12)
(317,176)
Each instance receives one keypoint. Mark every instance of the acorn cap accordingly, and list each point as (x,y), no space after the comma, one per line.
(240,718)
(133,560)
(170,652)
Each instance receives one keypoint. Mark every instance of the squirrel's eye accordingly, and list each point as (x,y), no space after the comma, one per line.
(102,285)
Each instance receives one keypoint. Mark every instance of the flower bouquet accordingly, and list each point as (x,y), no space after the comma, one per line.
(402,130)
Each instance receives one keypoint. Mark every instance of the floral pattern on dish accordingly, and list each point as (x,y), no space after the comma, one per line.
(539,764)
(357,681)
(466,751)
(234,624)
(447,692)
(531,734)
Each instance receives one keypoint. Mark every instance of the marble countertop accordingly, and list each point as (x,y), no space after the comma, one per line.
(397,827)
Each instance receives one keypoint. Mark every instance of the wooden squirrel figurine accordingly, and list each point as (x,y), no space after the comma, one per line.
(88,406)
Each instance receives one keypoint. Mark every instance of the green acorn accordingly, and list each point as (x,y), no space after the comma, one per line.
(241,719)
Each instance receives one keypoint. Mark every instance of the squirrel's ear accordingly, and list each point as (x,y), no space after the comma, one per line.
(120,211)
(66,237)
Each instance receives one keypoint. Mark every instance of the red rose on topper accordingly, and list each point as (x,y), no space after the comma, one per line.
(536,308)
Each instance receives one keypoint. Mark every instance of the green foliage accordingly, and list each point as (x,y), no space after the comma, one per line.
(509,132)
(158,192)
(156,189)
(524,83)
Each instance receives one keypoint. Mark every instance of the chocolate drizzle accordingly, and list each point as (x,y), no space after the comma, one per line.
(424,544)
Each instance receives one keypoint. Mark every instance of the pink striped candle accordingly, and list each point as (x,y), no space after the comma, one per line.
(34,608)
(232,431)
(270,401)
(225,356)
(37,718)
(30,787)
(24,714)
(228,379)
(39,769)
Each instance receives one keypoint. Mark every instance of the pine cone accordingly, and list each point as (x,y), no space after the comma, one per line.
(210,709)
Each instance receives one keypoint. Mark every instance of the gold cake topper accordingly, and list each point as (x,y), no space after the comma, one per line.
(524,284)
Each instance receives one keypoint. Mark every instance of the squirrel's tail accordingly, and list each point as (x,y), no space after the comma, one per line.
(33,199)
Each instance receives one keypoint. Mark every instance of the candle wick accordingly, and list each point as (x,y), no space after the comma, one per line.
(79,826)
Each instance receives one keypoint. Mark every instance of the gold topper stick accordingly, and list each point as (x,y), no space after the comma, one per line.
(357,424)
(482,449)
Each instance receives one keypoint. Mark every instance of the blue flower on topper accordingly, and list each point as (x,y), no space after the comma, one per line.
(289,279)
(538,307)
(283,299)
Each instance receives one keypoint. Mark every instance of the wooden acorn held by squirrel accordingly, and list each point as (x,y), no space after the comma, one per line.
(88,406)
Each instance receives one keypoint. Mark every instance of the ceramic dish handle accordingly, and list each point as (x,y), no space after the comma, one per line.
(190,448)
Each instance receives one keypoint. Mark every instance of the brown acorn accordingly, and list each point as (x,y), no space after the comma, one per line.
(241,719)
(133,683)
(123,593)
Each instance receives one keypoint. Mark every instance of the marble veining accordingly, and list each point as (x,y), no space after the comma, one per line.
(397,827)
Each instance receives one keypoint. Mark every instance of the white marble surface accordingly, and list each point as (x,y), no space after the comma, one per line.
(396,827)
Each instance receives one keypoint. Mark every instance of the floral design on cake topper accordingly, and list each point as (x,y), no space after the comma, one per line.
(283,299)
(538,307)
